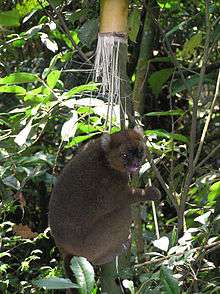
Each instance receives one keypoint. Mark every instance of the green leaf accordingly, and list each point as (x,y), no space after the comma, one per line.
(12,89)
(53,77)
(84,274)
(170,284)
(174,237)
(179,86)
(18,78)
(164,134)
(191,45)
(80,139)
(55,283)
(158,79)
(88,32)
(176,112)
(9,18)
(215,192)
(215,187)
(12,182)
(79,89)
(86,128)
(134,21)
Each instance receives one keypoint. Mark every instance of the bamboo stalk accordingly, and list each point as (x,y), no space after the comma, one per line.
(113,16)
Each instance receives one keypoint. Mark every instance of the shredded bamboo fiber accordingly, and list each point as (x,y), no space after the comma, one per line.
(107,69)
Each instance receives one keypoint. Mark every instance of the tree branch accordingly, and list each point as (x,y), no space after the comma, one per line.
(67,32)
(207,121)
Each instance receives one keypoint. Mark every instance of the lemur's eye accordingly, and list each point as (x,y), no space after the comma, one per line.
(124,155)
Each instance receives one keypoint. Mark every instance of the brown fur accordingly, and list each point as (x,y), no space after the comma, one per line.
(89,211)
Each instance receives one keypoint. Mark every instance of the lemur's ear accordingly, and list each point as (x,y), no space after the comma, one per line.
(105,141)
(139,130)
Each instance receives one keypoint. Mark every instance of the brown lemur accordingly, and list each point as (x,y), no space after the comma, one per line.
(90,206)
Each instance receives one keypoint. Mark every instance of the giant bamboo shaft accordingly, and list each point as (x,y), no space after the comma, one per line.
(113,16)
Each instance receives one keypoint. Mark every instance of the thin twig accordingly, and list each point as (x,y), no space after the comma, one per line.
(194,125)
(160,179)
(208,156)
(207,121)
(158,260)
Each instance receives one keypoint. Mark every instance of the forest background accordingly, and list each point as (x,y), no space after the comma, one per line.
(49,107)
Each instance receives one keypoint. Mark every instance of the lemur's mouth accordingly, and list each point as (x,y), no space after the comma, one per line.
(133,168)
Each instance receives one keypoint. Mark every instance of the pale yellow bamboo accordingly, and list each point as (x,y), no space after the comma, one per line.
(113,16)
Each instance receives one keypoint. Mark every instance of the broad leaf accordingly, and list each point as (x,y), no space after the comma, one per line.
(88,32)
(191,45)
(69,127)
(79,89)
(18,78)
(50,44)
(169,282)
(134,21)
(80,139)
(89,102)
(203,219)
(53,78)
(84,274)
(12,182)
(12,89)
(162,243)
(164,134)
(9,18)
(179,86)
(128,285)
(55,283)
(158,79)
(214,192)
(21,137)
(176,112)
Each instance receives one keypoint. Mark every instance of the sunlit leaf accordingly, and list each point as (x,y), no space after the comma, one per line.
(21,137)
(80,139)
(79,89)
(128,285)
(162,243)
(12,89)
(53,78)
(164,134)
(90,102)
(203,219)
(18,78)
(50,44)
(69,127)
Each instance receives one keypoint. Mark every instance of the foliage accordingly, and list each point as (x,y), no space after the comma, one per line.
(50,106)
